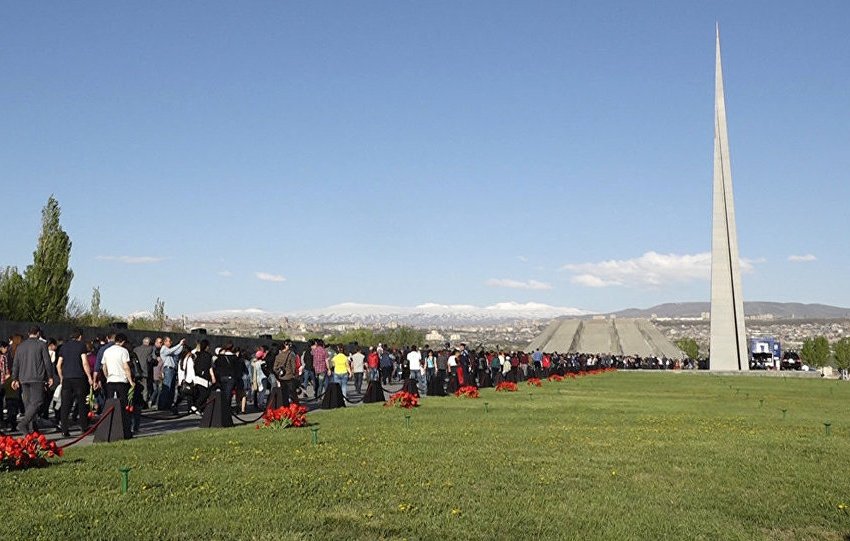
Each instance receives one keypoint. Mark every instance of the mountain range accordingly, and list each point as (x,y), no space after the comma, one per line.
(779,310)
(423,315)
(442,315)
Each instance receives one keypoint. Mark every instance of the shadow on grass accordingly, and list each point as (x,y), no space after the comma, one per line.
(65,462)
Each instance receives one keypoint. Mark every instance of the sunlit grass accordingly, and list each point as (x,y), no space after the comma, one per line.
(614,456)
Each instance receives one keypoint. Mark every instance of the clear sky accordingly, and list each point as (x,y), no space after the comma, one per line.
(293,155)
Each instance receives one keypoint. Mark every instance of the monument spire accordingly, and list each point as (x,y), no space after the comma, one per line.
(728,335)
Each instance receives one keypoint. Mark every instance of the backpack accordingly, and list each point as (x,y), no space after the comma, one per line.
(136,367)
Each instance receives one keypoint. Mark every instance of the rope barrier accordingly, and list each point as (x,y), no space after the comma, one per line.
(248,422)
(91,429)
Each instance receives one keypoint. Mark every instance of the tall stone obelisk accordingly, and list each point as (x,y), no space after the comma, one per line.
(728,336)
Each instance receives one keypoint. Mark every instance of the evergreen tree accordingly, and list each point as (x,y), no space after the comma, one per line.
(13,295)
(49,277)
(95,310)
(159,316)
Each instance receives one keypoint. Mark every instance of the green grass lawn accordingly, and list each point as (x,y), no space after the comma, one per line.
(613,456)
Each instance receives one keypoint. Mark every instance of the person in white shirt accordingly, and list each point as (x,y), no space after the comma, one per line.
(357,361)
(414,360)
(119,377)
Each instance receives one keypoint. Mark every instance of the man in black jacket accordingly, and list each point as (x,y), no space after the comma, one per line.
(31,371)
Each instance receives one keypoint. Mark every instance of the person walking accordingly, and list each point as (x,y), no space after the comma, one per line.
(32,372)
(321,366)
(119,376)
(170,359)
(373,361)
(308,371)
(414,361)
(156,378)
(357,360)
(386,367)
(145,355)
(228,372)
(75,377)
(286,371)
(341,371)
(430,366)
(259,382)
(204,376)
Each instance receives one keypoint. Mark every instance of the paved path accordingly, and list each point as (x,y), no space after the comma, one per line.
(151,426)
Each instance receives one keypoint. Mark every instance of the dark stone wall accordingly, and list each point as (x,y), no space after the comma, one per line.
(61,331)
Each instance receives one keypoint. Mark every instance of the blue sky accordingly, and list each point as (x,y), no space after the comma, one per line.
(290,155)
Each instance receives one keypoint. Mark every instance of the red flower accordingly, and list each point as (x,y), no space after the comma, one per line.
(467,391)
(535,381)
(285,416)
(555,377)
(26,451)
(507,386)
(403,399)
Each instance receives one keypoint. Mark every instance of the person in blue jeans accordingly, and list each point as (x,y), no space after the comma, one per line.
(170,358)
(341,371)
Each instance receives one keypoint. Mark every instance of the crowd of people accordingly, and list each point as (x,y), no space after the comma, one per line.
(71,380)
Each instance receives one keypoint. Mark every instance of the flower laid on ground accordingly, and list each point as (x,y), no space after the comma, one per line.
(28,451)
(403,399)
(467,391)
(285,416)
(555,377)
(534,381)
(507,386)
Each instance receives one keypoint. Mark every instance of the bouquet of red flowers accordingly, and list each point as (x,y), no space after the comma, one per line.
(28,451)
(555,377)
(91,404)
(130,394)
(534,381)
(403,399)
(285,416)
(507,386)
(467,391)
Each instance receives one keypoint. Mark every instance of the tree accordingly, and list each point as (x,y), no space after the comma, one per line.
(841,353)
(49,277)
(689,346)
(401,336)
(815,351)
(159,314)
(95,310)
(13,295)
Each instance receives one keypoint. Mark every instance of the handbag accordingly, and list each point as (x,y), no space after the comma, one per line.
(186,388)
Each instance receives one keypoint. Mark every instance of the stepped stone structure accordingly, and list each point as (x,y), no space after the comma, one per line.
(605,336)
(728,336)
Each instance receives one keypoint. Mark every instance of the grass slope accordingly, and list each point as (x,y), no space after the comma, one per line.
(615,456)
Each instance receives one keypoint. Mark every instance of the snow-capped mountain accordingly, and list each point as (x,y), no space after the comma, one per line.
(423,315)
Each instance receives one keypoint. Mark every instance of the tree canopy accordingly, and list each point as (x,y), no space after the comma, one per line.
(815,351)
(41,294)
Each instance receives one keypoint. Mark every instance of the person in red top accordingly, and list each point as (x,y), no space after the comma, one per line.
(373,361)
